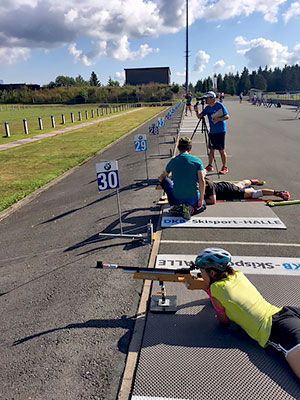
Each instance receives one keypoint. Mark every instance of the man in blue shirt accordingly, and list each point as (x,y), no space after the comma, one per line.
(217,115)
(187,185)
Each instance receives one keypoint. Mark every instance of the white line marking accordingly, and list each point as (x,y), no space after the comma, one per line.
(224,243)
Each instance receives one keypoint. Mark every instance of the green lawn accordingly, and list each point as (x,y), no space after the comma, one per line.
(15,114)
(28,167)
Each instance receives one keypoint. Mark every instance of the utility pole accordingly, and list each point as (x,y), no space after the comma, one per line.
(187,48)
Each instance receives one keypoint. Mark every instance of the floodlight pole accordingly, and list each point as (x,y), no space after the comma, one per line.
(187,48)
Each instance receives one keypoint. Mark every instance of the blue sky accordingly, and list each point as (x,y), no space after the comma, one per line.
(41,39)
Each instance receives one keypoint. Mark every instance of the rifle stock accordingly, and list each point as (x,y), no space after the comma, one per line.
(182,275)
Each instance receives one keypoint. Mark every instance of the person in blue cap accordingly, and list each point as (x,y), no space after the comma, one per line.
(217,115)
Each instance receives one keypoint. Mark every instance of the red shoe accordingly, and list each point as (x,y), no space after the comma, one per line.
(283,194)
(209,168)
(257,182)
(223,171)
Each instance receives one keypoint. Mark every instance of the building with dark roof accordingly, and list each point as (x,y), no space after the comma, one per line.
(18,86)
(144,76)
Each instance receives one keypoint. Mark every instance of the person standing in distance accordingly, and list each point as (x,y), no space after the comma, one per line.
(217,115)
(188,104)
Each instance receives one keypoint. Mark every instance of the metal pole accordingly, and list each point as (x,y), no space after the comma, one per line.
(146,166)
(7,129)
(25,126)
(40,123)
(187,48)
(119,210)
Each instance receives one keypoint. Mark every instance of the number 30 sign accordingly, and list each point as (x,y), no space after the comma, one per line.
(107,175)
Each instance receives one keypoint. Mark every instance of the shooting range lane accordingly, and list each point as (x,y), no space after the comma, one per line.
(188,355)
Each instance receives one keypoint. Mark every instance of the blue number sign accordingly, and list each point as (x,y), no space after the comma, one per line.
(160,122)
(153,130)
(140,143)
(107,175)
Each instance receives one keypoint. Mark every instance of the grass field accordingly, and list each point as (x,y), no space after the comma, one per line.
(28,167)
(15,114)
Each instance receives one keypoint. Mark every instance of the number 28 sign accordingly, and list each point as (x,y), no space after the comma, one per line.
(107,175)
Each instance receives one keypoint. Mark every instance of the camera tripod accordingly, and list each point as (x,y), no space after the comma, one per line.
(204,131)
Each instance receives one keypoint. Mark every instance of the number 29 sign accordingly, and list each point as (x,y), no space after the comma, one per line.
(107,175)
(140,143)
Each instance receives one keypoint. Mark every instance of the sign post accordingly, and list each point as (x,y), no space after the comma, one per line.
(108,179)
(140,144)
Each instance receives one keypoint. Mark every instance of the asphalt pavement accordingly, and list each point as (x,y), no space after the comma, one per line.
(66,326)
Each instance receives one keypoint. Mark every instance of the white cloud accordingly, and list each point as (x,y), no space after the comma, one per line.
(78,55)
(225,9)
(262,52)
(120,50)
(240,41)
(180,74)
(10,56)
(297,47)
(111,26)
(219,64)
(293,11)
(201,60)
(119,76)
(230,68)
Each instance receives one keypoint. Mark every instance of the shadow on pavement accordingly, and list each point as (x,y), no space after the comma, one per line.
(234,338)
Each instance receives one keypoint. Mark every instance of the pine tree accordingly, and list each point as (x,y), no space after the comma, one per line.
(94,80)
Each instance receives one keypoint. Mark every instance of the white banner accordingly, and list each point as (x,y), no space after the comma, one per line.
(247,264)
(222,222)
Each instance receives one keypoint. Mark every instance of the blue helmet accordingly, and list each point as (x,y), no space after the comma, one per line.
(213,258)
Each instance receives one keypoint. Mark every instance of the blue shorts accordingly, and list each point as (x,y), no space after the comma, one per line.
(285,332)
(217,141)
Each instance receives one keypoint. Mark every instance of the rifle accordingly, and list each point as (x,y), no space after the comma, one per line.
(181,275)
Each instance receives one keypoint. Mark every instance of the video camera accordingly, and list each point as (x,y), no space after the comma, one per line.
(200,100)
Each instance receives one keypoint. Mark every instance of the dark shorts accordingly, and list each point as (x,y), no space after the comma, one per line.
(285,332)
(217,141)
(228,191)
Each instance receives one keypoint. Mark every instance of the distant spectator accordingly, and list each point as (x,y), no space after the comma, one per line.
(188,105)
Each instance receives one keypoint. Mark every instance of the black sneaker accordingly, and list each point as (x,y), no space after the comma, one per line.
(176,210)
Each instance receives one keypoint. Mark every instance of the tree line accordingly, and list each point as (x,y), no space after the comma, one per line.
(72,94)
(286,79)
(69,90)
(69,81)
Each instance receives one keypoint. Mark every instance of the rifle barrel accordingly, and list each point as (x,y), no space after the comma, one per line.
(170,271)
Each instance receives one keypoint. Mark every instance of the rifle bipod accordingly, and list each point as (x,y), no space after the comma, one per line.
(161,303)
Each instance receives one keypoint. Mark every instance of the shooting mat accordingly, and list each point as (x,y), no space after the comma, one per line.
(188,355)
(235,214)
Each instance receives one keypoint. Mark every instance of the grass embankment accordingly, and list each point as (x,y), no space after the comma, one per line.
(15,114)
(28,167)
